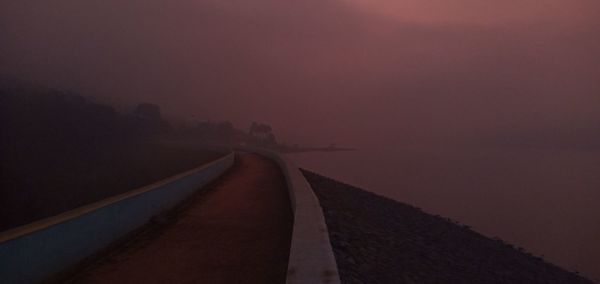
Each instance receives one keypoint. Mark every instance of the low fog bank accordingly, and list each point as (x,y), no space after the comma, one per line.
(327,71)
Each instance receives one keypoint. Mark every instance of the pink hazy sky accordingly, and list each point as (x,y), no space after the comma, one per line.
(482,12)
(353,71)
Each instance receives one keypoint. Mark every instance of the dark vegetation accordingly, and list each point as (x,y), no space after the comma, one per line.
(379,240)
(60,151)
(224,133)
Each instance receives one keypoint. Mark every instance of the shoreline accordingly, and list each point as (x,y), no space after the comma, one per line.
(380,240)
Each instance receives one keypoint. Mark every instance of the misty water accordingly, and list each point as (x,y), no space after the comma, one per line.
(542,199)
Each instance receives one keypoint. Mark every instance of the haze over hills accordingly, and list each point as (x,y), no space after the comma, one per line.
(427,70)
(61,151)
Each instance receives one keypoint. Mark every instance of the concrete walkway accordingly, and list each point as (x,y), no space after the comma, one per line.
(237,232)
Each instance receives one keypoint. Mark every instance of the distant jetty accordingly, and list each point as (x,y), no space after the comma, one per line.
(290,150)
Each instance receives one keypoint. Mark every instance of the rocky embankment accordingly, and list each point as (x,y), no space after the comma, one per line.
(379,240)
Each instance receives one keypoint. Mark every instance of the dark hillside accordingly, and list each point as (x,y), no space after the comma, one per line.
(60,151)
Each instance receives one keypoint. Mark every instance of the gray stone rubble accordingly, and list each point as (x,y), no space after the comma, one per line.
(379,240)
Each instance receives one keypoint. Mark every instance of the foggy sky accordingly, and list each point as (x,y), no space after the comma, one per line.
(354,72)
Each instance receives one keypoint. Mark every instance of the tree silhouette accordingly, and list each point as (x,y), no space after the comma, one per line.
(148,111)
(262,132)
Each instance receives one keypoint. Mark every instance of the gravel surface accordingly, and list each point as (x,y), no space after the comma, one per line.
(379,240)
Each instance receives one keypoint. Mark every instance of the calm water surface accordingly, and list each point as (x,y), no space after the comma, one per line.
(545,200)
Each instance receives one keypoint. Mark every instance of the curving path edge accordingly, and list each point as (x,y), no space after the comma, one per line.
(311,256)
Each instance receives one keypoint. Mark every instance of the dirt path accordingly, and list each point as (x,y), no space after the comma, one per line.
(238,232)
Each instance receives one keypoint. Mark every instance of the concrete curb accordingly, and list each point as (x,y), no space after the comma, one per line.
(311,255)
(36,251)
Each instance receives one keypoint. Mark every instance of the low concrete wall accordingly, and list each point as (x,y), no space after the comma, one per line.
(311,255)
(38,250)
